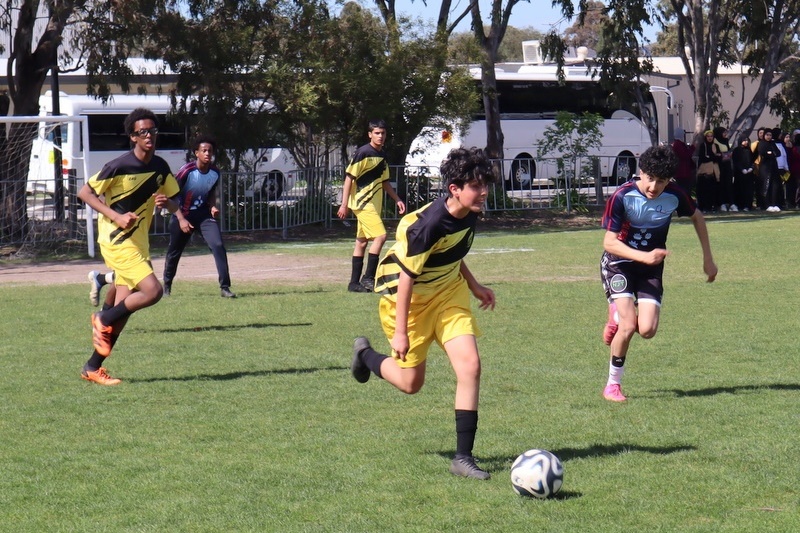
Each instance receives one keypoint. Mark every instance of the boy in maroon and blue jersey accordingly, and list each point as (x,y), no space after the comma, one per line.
(636,220)
(198,180)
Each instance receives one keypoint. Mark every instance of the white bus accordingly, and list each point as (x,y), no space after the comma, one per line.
(107,140)
(530,96)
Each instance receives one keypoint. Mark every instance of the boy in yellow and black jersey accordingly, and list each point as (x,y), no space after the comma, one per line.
(425,287)
(124,194)
(366,179)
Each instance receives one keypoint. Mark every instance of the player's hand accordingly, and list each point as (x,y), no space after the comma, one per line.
(401,207)
(710,268)
(656,257)
(214,212)
(186,226)
(399,345)
(161,199)
(342,212)
(125,220)
(486,297)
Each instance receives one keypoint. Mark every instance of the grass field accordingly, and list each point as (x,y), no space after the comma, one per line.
(241,415)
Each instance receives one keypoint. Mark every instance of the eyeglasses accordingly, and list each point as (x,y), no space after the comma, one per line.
(144,132)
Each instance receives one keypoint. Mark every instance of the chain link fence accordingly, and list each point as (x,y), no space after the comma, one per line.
(251,201)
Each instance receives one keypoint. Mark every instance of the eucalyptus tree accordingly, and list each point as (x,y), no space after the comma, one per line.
(715,33)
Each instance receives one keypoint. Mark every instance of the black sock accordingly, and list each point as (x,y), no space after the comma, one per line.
(466,427)
(372,266)
(94,362)
(101,279)
(617,361)
(114,314)
(373,360)
(358,266)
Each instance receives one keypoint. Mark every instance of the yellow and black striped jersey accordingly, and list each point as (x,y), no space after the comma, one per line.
(430,246)
(369,170)
(128,185)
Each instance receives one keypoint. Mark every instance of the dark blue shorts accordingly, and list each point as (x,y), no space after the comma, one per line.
(623,278)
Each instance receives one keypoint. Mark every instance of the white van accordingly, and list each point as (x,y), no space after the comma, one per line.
(106,137)
(107,140)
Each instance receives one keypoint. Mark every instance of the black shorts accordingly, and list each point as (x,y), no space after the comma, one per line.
(623,278)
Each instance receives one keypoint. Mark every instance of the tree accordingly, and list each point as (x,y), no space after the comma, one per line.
(490,38)
(715,33)
(489,43)
(588,32)
(34,51)
(569,140)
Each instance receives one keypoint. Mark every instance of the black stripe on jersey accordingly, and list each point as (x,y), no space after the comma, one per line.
(366,199)
(134,201)
(386,280)
(431,226)
(126,234)
(371,175)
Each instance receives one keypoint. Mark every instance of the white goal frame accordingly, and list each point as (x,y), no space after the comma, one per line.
(76,156)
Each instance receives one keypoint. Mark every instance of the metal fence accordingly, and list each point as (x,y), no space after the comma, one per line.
(252,201)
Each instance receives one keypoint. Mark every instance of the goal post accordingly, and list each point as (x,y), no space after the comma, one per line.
(43,165)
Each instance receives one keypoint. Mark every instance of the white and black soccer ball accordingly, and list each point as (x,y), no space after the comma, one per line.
(537,473)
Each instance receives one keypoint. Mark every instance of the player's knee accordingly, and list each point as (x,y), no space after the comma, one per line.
(647,332)
(627,329)
(412,385)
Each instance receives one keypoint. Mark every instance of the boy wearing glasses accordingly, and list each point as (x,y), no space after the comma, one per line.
(131,185)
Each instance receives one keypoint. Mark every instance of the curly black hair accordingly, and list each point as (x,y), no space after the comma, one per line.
(203,138)
(467,165)
(140,113)
(659,162)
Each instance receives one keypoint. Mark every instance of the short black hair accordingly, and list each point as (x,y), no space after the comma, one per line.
(377,123)
(659,162)
(140,113)
(467,165)
(203,138)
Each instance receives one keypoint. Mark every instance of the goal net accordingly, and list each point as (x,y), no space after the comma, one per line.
(42,167)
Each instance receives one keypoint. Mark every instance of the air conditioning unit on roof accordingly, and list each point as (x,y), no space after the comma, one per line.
(532,53)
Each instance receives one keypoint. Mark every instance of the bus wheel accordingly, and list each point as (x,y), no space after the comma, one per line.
(272,186)
(522,174)
(624,167)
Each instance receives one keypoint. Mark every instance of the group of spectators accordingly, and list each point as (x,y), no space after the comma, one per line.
(741,176)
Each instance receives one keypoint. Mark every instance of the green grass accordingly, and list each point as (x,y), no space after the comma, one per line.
(242,416)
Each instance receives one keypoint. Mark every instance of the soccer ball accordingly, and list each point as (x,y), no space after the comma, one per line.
(537,473)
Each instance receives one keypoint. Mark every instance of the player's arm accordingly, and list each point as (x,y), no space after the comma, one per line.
(613,245)
(405,287)
(484,294)
(401,207)
(348,184)
(88,195)
(709,267)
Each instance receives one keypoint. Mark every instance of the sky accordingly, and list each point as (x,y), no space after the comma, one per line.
(537,14)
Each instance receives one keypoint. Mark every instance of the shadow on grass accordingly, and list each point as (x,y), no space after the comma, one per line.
(500,464)
(231,327)
(712,391)
(286,292)
(238,375)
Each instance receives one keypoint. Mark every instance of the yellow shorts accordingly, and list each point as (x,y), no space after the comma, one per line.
(130,266)
(370,224)
(439,320)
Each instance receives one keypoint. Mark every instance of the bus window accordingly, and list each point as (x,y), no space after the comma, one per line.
(107,133)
